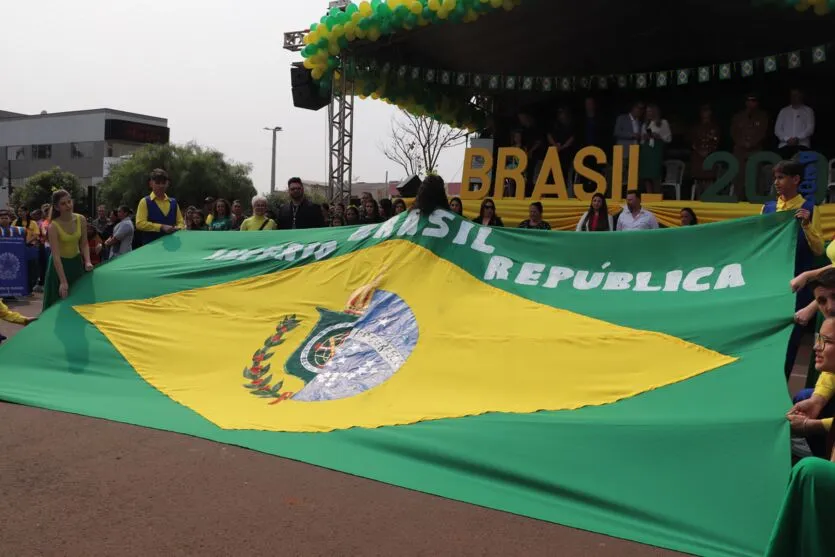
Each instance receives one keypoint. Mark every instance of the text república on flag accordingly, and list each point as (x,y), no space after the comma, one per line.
(502,267)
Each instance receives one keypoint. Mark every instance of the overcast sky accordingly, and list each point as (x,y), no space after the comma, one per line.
(215,69)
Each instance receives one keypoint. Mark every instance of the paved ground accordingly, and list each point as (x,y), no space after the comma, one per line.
(74,486)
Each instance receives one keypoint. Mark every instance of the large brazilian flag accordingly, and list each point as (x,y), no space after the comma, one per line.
(625,383)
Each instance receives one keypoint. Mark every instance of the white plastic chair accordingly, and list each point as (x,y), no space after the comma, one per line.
(673,176)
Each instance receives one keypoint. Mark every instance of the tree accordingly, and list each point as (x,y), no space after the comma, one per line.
(195,172)
(418,141)
(39,188)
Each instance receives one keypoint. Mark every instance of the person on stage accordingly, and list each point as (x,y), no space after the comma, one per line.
(787,178)
(70,251)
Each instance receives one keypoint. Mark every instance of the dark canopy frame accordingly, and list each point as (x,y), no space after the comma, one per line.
(598,37)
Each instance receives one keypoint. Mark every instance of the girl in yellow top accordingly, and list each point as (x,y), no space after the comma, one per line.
(801,424)
(70,252)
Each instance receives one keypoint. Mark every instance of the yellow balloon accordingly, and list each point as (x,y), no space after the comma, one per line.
(443,14)
(333,49)
(448,5)
(373,34)
(496,3)
(434,5)
(365,9)
(416,8)
(308,63)
(317,73)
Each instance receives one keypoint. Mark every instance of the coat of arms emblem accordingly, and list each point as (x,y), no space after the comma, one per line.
(348,352)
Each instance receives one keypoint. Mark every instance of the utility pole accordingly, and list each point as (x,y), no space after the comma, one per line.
(275,131)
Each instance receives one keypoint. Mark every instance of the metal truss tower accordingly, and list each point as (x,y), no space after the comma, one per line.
(340,127)
(341,139)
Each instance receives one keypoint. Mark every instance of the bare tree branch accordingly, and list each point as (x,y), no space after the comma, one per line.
(417,142)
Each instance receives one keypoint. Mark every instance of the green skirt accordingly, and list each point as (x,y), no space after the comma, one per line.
(73,270)
(651,161)
(804,525)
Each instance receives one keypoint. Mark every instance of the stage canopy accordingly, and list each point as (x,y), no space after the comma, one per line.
(434,57)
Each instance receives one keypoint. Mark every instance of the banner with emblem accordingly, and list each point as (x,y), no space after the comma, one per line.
(13,269)
(612,382)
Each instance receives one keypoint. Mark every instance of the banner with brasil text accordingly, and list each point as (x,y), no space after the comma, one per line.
(625,383)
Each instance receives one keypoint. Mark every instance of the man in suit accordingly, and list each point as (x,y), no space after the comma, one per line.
(628,126)
(628,131)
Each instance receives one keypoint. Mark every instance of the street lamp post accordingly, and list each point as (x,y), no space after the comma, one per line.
(275,131)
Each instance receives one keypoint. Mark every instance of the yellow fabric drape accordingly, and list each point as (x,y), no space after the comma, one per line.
(564,214)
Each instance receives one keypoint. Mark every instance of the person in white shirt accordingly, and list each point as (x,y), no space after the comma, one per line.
(655,135)
(634,216)
(795,126)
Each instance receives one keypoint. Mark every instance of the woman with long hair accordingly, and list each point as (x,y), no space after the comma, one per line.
(197,221)
(352,215)
(24,221)
(457,206)
(399,206)
(371,211)
(431,195)
(70,251)
(535,218)
(655,135)
(597,218)
(688,217)
(487,214)
(221,216)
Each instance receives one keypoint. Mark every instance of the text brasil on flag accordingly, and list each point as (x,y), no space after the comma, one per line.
(621,383)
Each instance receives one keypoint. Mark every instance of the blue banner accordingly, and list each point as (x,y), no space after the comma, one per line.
(13,267)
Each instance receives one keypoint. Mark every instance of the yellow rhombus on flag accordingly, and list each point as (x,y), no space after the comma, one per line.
(441,344)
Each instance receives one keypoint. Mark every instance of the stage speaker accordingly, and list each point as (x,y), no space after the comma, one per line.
(305,89)
(408,188)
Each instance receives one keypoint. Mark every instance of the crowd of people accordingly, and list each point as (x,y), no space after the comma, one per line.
(62,245)
(749,131)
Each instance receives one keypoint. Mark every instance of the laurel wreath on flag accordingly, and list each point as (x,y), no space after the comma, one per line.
(258,373)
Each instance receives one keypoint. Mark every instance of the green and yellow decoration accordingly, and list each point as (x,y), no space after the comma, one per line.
(326,41)
(377,18)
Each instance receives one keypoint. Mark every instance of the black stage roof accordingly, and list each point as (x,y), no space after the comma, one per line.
(598,37)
